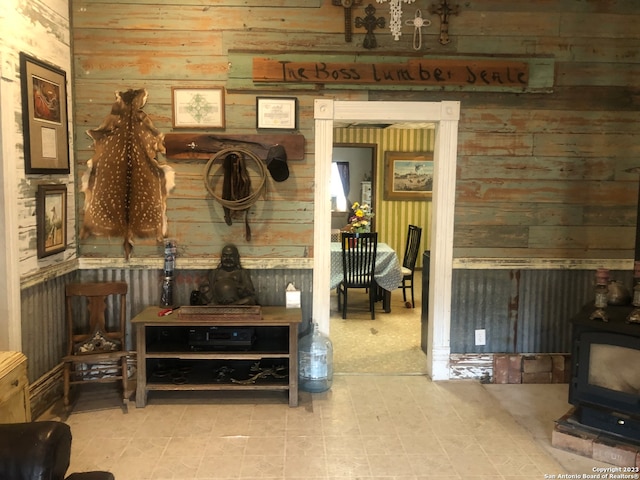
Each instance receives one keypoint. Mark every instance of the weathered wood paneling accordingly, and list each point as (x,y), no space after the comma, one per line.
(133,16)
(521,214)
(550,7)
(237,3)
(550,160)
(509,120)
(548,191)
(97,42)
(545,153)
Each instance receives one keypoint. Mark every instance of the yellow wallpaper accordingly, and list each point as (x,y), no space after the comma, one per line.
(392,216)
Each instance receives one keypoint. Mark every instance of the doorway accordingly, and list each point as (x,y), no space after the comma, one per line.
(445,116)
(391,344)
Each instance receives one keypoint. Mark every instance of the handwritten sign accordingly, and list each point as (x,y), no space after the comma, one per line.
(427,72)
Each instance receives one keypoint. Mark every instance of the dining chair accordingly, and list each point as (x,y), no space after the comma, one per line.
(358,266)
(409,262)
(96,321)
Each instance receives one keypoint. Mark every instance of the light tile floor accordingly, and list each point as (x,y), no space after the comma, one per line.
(365,427)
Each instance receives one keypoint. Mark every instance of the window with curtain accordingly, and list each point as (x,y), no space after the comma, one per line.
(340,185)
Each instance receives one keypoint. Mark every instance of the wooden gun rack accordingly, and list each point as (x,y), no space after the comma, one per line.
(199,146)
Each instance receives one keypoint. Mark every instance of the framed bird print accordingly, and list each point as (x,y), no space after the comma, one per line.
(408,175)
(51,219)
(44,116)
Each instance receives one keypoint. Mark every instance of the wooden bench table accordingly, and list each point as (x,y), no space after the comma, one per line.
(173,353)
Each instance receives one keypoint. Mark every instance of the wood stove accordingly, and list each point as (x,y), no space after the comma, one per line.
(605,380)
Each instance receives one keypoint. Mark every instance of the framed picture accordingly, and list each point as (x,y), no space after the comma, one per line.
(51,219)
(198,107)
(277,113)
(44,116)
(408,175)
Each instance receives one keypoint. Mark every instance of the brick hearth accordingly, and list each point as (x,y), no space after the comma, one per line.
(573,437)
(538,368)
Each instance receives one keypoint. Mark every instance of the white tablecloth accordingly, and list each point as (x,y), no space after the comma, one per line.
(388,273)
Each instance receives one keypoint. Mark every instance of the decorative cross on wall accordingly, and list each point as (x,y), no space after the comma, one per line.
(347,5)
(417,22)
(370,22)
(443,11)
(395,7)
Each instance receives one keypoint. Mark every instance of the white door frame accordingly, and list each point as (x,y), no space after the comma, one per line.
(445,115)
(10,302)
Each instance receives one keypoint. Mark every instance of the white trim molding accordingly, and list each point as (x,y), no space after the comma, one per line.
(10,301)
(445,115)
(542,263)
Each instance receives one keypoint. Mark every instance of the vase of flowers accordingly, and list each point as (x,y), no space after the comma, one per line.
(360,221)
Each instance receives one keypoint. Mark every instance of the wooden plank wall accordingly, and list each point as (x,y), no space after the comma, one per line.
(540,174)
(158,46)
(544,175)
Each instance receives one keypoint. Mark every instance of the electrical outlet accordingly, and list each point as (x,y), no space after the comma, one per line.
(481,337)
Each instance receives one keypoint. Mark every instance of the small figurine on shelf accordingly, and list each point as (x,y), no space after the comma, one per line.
(634,316)
(229,283)
(601,295)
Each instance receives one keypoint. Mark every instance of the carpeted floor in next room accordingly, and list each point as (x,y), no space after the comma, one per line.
(390,344)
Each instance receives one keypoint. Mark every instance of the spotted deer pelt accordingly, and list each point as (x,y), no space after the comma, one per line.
(125,187)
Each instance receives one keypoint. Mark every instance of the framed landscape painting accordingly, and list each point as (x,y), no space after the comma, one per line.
(408,175)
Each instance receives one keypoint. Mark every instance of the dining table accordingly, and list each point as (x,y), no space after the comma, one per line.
(387,274)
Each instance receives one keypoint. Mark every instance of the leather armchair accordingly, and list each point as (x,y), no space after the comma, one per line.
(39,451)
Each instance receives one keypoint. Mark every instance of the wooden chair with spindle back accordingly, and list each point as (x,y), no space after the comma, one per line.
(96,344)
(358,266)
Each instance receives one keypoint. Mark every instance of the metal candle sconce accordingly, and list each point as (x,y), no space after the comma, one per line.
(601,293)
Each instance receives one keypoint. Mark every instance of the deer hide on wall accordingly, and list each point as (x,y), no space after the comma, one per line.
(125,187)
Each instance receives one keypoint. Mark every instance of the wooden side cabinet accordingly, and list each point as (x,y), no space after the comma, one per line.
(15,406)
(214,352)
